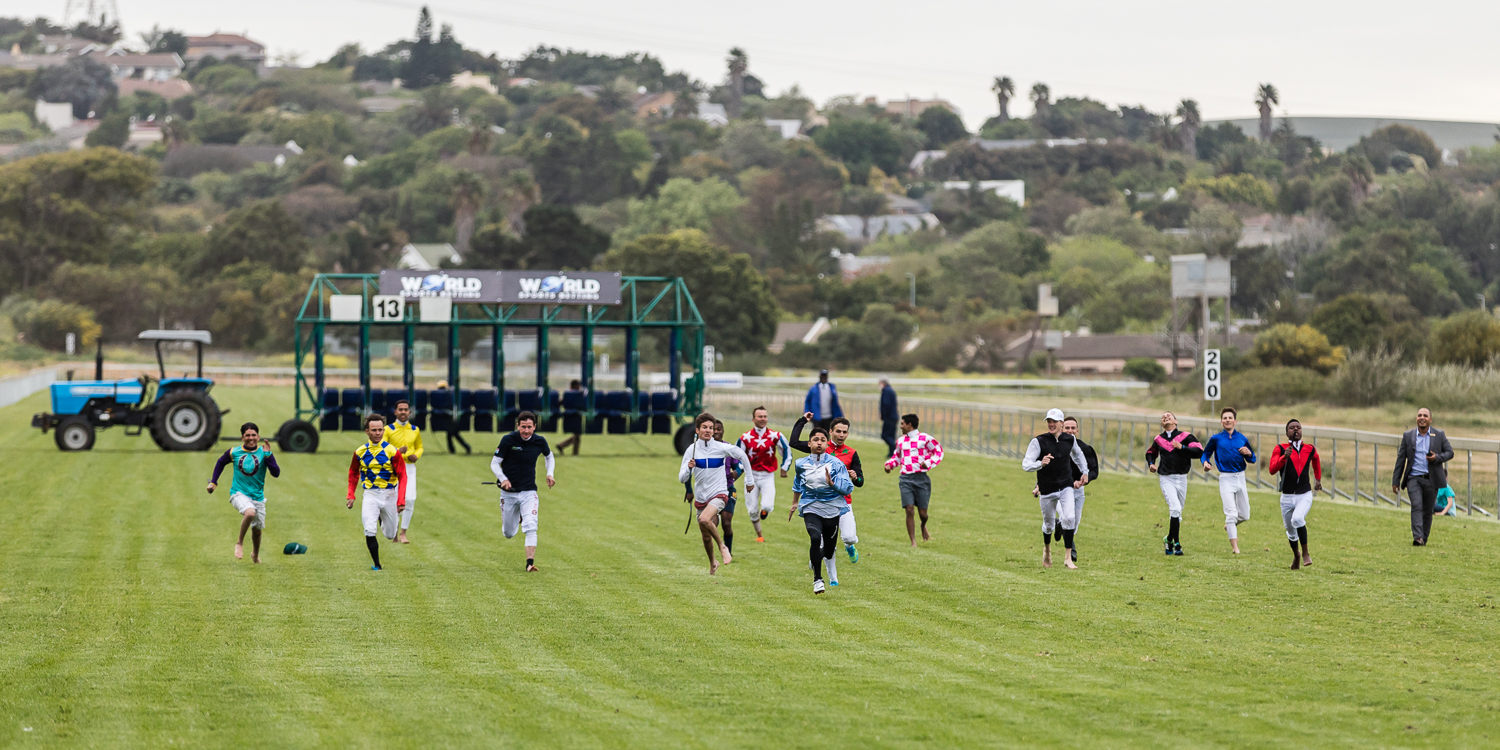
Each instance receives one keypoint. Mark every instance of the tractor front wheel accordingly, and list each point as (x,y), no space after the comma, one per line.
(74,434)
(185,421)
(297,436)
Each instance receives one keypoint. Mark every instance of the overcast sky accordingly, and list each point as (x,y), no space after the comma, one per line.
(1432,60)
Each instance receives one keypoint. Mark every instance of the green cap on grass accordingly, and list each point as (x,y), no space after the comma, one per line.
(293,548)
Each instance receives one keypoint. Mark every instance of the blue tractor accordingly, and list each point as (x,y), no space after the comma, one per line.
(178,412)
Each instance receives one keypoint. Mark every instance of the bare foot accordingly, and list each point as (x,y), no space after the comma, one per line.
(1046,557)
(1068,562)
(713,566)
(255,558)
(1296,564)
(1306,561)
(926,537)
(403,539)
(532,569)
(728,558)
(913,544)
(239,551)
(1234,547)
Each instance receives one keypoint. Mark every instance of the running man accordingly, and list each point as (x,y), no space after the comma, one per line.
(761,444)
(380,468)
(916,453)
(247,489)
(703,464)
(514,467)
(1290,462)
(733,470)
(838,434)
(408,437)
(1056,458)
(1230,451)
(818,491)
(1070,426)
(1176,450)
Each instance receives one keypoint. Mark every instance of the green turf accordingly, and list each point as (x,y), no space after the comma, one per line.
(126,622)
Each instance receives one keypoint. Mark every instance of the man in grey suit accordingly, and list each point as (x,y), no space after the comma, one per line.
(1420,469)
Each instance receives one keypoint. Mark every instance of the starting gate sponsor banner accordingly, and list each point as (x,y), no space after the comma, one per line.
(560,287)
(459,286)
(509,287)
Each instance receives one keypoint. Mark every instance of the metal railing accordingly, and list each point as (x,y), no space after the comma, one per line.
(1357,465)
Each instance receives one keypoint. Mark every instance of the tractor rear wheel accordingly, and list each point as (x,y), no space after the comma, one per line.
(74,434)
(297,436)
(683,438)
(185,421)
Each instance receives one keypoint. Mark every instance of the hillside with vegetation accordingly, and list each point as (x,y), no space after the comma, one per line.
(1377,253)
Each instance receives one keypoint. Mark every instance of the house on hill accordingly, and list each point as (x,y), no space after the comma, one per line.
(221,46)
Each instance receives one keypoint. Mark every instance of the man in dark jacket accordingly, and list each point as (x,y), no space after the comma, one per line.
(889,416)
(1421,471)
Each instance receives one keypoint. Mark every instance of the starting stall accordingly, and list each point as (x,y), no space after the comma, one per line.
(457,302)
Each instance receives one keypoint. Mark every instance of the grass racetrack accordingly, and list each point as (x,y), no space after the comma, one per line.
(127,622)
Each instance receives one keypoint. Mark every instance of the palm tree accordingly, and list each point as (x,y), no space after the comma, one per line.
(1188,128)
(1004,89)
(468,193)
(518,192)
(1265,96)
(1041,98)
(739,63)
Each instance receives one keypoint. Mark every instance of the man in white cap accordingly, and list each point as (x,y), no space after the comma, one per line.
(1048,455)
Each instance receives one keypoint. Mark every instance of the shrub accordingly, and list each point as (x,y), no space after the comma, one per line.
(50,321)
(1286,345)
(1271,386)
(1453,387)
(1368,377)
(1145,368)
(1471,338)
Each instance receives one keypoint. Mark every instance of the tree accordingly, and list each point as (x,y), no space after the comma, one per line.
(733,297)
(1385,145)
(165,40)
(262,233)
(861,144)
(1187,129)
(125,299)
(1363,322)
(1265,97)
(941,126)
(1004,88)
(113,131)
(430,62)
(739,64)
(1041,101)
(708,206)
(83,82)
(468,193)
(68,206)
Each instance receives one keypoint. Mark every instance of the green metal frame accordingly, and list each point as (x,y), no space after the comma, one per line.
(647,302)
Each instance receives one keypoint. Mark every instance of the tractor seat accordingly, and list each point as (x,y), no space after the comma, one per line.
(148,391)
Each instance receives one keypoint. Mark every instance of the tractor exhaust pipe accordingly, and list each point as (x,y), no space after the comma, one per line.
(99,359)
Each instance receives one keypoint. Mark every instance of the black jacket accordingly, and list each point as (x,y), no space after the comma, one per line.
(1177,461)
(1091,458)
